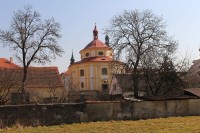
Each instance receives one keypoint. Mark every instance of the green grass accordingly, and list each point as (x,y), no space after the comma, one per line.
(161,125)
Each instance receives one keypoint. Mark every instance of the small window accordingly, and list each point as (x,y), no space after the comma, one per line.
(87,54)
(100,53)
(81,72)
(82,85)
(104,71)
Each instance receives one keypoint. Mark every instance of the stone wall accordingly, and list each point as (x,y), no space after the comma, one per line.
(142,109)
(52,114)
(35,115)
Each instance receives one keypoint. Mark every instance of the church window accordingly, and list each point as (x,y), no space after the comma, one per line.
(87,54)
(104,71)
(81,72)
(82,85)
(100,53)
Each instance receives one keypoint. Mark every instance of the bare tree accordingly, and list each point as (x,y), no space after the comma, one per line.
(33,40)
(70,86)
(52,91)
(57,93)
(8,81)
(135,34)
(161,77)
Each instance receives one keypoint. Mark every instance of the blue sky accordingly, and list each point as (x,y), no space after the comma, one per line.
(77,18)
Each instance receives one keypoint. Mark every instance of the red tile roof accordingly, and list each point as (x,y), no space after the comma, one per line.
(96,43)
(4,63)
(38,77)
(44,77)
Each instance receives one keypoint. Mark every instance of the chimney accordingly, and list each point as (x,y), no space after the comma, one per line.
(11,59)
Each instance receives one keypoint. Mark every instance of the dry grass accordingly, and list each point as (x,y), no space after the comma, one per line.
(161,125)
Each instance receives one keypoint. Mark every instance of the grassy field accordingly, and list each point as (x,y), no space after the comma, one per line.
(161,125)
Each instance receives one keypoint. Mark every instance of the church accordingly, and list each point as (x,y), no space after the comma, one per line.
(93,73)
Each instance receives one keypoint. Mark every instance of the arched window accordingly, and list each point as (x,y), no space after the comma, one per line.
(104,71)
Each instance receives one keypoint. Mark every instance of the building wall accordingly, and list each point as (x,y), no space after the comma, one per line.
(193,75)
(37,95)
(67,82)
(93,52)
(115,88)
(93,78)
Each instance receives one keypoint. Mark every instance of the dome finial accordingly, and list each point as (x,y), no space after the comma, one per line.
(95,32)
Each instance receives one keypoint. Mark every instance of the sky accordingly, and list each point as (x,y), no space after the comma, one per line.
(77,19)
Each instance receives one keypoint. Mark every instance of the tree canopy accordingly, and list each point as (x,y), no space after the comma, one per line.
(32,39)
(138,35)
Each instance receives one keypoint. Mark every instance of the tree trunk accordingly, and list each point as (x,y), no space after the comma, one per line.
(25,72)
(135,84)
(135,78)
(23,96)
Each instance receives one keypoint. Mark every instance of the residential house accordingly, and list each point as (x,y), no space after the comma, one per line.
(43,83)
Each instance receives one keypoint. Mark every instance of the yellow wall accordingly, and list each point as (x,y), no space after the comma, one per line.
(91,69)
(93,52)
(38,94)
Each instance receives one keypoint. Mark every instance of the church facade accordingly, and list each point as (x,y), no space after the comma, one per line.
(95,69)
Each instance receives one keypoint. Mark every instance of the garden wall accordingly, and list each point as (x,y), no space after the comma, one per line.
(35,115)
(52,114)
(142,110)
